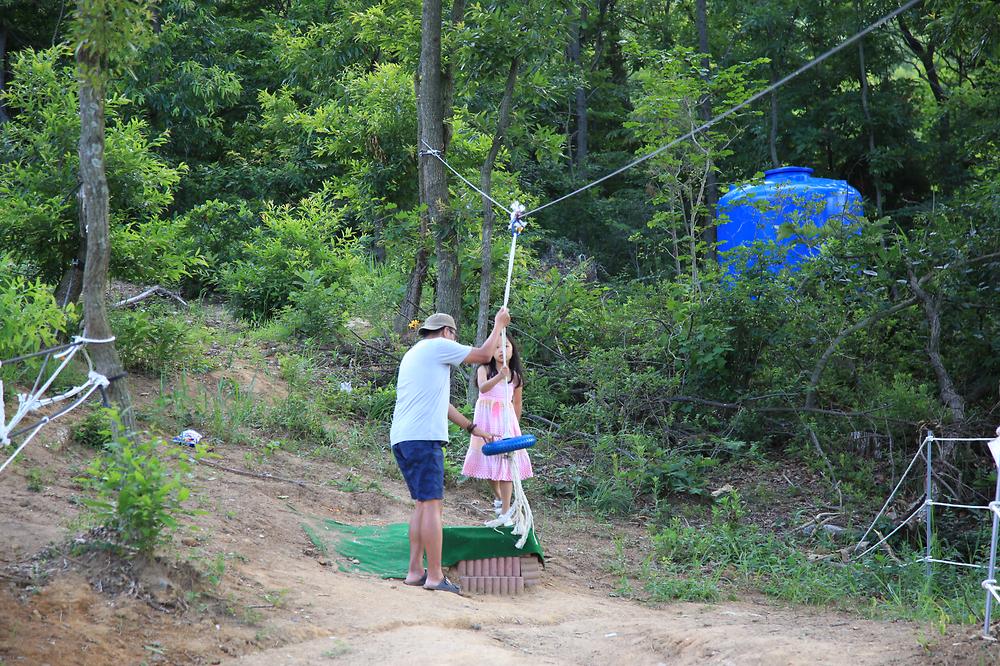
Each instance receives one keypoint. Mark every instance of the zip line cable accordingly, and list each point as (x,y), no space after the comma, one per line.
(437,154)
(725,114)
(700,128)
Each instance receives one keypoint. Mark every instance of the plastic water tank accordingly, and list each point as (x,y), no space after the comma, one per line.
(788,196)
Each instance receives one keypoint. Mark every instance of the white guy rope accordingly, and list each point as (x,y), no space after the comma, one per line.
(991,587)
(951,562)
(32,401)
(437,153)
(704,126)
(49,419)
(891,495)
(898,527)
(961,506)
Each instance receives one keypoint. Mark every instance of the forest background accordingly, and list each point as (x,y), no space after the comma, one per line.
(267,154)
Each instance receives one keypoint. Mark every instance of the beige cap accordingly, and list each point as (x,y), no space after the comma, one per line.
(437,321)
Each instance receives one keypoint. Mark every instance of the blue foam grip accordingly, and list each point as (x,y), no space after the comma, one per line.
(507,445)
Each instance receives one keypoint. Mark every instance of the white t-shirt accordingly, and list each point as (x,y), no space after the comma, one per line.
(423,390)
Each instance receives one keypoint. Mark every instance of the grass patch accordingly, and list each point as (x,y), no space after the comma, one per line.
(728,555)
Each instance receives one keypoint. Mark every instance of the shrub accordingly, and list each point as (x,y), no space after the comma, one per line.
(157,339)
(137,493)
(38,172)
(294,250)
(30,319)
(94,430)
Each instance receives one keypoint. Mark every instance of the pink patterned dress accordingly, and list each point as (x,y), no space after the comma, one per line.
(489,417)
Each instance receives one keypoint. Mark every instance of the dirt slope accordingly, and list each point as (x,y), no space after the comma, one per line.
(278,601)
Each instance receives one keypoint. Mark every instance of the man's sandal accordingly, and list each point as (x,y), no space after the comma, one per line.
(417,583)
(445,586)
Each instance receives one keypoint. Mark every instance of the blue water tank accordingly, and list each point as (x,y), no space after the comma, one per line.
(788,196)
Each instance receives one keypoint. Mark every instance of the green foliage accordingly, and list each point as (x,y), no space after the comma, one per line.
(139,490)
(298,256)
(38,178)
(157,339)
(109,33)
(697,563)
(30,318)
(94,431)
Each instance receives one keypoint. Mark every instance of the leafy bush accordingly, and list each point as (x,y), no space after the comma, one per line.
(38,174)
(30,318)
(294,250)
(316,309)
(138,494)
(157,339)
(94,430)
(213,228)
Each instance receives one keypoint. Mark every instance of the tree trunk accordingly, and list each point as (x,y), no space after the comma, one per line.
(926,56)
(709,231)
(486,185)
(931,304)
(772,135)
(430,108)
(409,309)
(582,130)
(876,178)
(3,73)
(94,214)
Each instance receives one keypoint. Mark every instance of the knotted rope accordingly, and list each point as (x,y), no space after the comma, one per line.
(33,401)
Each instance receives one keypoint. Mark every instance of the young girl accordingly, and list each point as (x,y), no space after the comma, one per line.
(490,416)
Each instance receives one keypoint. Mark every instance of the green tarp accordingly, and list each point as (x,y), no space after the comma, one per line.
(385,550)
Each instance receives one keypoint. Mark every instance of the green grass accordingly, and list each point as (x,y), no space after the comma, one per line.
(728,556)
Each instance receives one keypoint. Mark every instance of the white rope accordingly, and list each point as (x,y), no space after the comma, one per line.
(889,535)
(704,126)
(951,562)
(28,402)
(437,154)
(960,506)
(990,586)
(32,401)
(49,419)
(891,495)
(520,510)
(963,439)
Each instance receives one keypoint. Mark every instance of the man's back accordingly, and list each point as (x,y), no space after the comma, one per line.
(423,390)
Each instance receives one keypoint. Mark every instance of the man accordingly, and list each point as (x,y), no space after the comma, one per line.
(420,430)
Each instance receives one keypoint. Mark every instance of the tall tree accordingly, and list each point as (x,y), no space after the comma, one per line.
(430,108)
(709,231)
(104,34)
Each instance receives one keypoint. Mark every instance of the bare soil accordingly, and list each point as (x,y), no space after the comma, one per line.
(263,595)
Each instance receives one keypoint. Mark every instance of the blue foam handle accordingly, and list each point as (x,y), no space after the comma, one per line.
(507,445)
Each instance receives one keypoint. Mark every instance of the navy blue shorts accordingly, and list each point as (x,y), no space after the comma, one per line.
(422,463)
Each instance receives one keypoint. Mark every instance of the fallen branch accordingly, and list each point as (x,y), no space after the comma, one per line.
(253,475)
(156,289)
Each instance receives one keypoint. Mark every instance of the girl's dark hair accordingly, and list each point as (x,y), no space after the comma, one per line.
(514,363)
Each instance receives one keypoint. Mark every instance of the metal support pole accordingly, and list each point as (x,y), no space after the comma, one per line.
(929,443)
(991,575)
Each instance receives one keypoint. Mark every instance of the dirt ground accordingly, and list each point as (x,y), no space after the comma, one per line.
(267,597)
